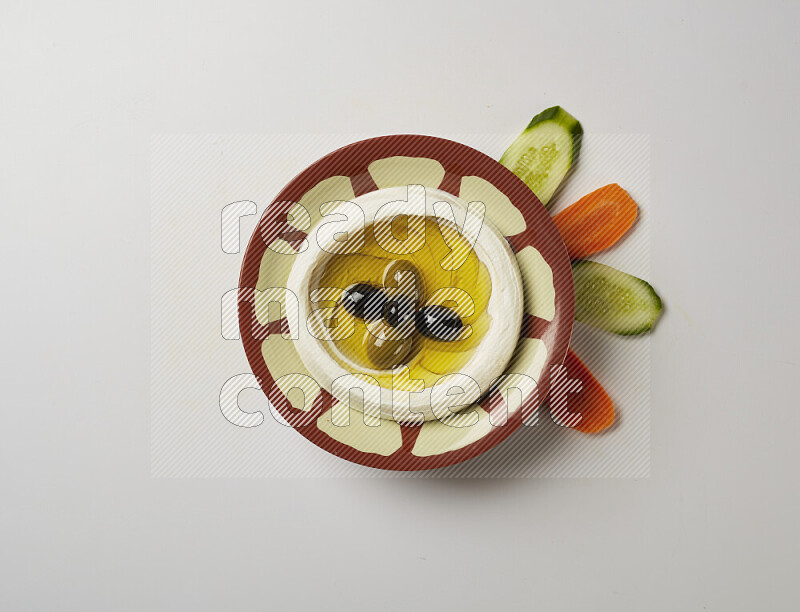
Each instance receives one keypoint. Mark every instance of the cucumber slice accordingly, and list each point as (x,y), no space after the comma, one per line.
(612,300)
(543,154)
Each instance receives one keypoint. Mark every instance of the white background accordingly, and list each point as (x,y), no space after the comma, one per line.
(82,524)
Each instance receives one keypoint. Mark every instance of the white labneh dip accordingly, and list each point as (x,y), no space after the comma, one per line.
(505,306)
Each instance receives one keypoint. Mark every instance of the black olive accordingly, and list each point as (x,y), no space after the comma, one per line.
(398,310)
(364,301)
(438,323)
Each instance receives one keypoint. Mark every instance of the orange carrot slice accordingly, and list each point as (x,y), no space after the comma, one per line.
(593,403)
(596,221)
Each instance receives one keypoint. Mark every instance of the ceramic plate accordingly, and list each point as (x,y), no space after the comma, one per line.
(393,161)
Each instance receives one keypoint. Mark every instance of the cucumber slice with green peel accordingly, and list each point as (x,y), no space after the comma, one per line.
(612,300)
(543,154)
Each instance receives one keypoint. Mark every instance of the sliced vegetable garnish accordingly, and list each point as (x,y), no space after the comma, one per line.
(592,401)
(613,300)
(543,154)
(596,221)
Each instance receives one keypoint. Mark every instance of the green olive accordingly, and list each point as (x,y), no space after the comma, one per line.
(387,354)
(404,277)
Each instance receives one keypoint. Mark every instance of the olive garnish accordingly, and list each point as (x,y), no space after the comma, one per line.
(438,323)
(364,301)
(404,276)
(387,354)
(398,310)
(371,304)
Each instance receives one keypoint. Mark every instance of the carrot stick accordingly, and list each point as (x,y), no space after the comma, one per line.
(596,221)
(592,402)
(592,224)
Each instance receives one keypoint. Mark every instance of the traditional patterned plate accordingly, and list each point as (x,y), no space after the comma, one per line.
(392,161)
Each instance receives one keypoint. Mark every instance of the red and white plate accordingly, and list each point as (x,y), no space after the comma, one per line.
(392,161)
